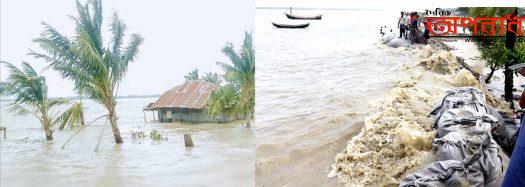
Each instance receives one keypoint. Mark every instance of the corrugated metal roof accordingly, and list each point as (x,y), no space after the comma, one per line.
(191,94)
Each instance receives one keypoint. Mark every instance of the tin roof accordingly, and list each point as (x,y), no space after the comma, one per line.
(192,94)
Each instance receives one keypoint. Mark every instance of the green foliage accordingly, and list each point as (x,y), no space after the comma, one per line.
(30,95)
(95,68)
(493,50)
(137,134)
(224,101)
(156,136)
(208,77)
(74,116)
(193,75)
(239,93)
(212,78)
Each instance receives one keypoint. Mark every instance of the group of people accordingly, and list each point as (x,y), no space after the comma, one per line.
(409,23)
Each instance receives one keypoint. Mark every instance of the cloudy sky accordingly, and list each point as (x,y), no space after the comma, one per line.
(179,36)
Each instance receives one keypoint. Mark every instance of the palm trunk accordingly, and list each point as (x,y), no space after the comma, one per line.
(248,118)
(46,123)
(82,121)
(47,128)
(113,120)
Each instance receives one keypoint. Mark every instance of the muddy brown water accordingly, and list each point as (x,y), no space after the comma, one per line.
(313,89)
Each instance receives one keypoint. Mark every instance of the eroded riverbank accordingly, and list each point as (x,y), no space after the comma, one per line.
(397,135)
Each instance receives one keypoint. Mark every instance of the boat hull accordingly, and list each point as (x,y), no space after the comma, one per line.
(290,26)
(313,17)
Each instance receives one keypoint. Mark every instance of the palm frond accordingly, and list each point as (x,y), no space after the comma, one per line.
(193,75)
(117,27)
(29,89)
(28,70)
(129,54)
(73,116)
(19,109)
(240,76)
(51,103)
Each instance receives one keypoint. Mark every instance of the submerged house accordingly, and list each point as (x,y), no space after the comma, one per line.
(186,103)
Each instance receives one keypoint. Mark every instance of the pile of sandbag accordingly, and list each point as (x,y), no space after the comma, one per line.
(466,153)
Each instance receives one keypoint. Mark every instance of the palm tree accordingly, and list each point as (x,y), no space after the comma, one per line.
(193,75)
(96,70)
(242,74)
(212,78)
(30,96)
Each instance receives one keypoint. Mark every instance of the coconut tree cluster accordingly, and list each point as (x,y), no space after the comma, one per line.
(238,96)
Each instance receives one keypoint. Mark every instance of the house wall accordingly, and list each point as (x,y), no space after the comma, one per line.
(191,116)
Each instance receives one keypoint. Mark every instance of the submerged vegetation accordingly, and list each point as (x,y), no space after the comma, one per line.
(156,136)
(95,68)
(137,134)
(238,96)
(30,98)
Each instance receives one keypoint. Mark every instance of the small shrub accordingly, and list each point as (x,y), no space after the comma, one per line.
(156,136)
(137,134)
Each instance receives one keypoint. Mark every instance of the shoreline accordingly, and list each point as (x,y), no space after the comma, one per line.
(397,135)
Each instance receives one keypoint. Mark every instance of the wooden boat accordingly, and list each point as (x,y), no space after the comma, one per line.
(290,16)
(290,26)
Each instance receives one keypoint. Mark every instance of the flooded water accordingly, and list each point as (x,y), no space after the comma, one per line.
(223,154)
(313,89)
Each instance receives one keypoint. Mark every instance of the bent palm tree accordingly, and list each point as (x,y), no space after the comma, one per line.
(95,70)
(30,96)
(242,74)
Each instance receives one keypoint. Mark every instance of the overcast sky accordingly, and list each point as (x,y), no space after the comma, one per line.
(179,36)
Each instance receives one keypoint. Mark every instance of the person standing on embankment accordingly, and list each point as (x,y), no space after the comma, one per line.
(401,24)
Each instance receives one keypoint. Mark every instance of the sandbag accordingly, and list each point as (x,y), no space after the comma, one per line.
(398,42)
(465,97)
(466,153)
(444,173)
(464,119)
(483,168)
